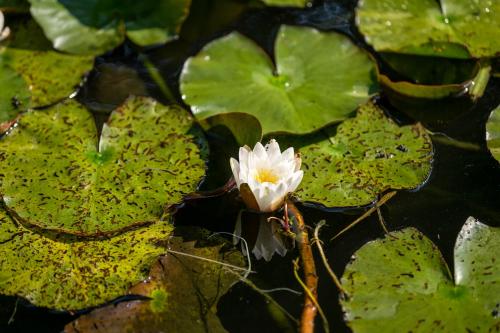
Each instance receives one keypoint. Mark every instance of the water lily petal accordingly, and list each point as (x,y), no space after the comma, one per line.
(294,181)
(269,174)
(260,151)
(235,168)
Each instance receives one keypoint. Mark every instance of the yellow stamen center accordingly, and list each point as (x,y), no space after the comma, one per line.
(266,176)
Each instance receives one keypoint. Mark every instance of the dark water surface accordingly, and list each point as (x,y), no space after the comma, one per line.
(464,182)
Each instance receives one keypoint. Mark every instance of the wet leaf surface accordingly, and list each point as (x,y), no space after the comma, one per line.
(68,273)
(350,165)
(286,3)
(319,78)
(493,133)
(96,26)
(58,176)
(448,28)
(183,293)
(42,75)
(401,283)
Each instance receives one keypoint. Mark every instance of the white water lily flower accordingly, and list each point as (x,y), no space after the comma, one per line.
(269,174)
(4,32)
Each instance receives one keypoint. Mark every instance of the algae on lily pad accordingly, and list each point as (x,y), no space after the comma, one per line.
(287,3)
(32,73)
(402,284)
(58,175)
(448,28)
(183,292)
(98,26)
(493,133)
(65,272)
(319,78)
(351,164)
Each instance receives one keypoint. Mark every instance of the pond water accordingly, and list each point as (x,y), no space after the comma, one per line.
(465,181)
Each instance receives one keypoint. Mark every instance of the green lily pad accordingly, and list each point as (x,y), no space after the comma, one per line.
(98,26)
(68,273)
(183,293)
(448,28)
(13,93)
(350,165)
(32,73)
(493,133)
(286,3)
(57,175)
(401,284)
(435,78)
(319,78)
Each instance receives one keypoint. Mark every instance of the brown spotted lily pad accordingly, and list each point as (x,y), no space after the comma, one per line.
(58,174)
(65,272)
(401,284)
(351,164)
(32,73)
(182,294)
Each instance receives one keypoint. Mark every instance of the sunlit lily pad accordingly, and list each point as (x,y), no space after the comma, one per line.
(183,293)
(286,3)
(493,133)
(448,28)
(319,78)
(401,284)
(57,175)
(67,273)
(96,26)
(48,76)
(350,165)
(13,93)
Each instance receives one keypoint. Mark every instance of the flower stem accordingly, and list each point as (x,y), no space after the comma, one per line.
(310,309)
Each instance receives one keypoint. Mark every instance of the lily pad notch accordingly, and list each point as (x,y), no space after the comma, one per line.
(58,176)
(402,283)
(319,78)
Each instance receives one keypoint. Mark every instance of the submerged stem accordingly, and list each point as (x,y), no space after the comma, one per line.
(312,297)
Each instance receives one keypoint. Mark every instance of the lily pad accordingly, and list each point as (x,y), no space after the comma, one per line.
(493,133)
(97,26)
(448,28)
(32,73)
(57,174)
(68,273)
(350,165)
(13,93)
(319,78)
(435,78)
(401,284)
(286,3)
(182,295)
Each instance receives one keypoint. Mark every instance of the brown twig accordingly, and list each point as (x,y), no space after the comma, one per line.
(330,271)
(379,203)
(309,310)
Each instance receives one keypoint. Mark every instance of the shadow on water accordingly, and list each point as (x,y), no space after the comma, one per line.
(463,183)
